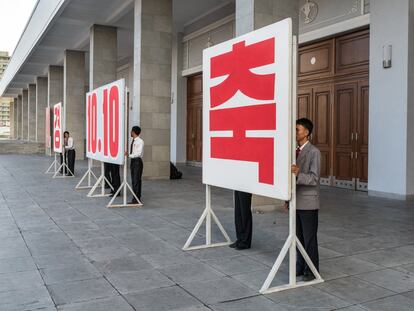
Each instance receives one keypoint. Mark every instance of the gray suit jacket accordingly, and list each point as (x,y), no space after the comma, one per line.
(307,181)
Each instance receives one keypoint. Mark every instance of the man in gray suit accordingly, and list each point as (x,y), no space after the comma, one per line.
(307,171)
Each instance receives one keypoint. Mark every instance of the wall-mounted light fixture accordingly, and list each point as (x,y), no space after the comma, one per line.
(387,56)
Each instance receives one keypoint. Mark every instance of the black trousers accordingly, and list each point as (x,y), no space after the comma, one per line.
(61,161)
(307,232)
(70,158)
(107,173)
(115,177)
(243,218)
(136,175)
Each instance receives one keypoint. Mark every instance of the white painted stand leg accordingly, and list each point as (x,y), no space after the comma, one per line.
(208,215)
(124,187)
(88,174)
(64,168)
(53,165)
(100,182)
(290,245)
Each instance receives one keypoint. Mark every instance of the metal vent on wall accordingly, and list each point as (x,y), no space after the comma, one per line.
(345,184)
(361,186)
(325,181)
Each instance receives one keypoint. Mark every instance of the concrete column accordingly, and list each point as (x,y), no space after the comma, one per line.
(19,117)
(178,102)
(41,102)
(152,82)
(25,110)
(103,55)
(254,14)
(74,98)
(54,90)
(31,108)
(391,96)
(12,119)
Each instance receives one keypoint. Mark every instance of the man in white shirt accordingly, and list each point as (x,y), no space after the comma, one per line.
(136,152)
(70,153)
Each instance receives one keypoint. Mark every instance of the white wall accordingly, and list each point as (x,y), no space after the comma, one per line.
(410,106)
(388,162)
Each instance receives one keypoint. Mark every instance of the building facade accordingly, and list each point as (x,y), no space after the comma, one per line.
(4,61)
(354,73)
(6,117)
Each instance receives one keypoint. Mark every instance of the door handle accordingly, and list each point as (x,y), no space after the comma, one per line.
(356,136)
(356,155)
(352,136)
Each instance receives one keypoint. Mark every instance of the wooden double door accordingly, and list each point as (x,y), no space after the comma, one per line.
(333,92)
(195,119)
(339,112)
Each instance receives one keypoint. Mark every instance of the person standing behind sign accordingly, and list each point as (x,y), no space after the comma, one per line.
(243,220)
(70,153)
(136,152)
(307,171)
(107,173)
(115,177)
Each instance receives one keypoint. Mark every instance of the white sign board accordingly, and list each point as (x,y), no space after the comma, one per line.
(247,87)
(57,128)
(105,123)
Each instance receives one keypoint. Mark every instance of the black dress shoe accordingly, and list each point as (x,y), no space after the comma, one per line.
(299,273)
(241,247)
(307,277)
(233,245)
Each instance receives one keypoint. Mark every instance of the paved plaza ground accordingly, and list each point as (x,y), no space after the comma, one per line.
(60,250)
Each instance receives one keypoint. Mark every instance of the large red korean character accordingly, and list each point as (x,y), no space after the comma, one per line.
(57,128)
(242,148)
(237,65)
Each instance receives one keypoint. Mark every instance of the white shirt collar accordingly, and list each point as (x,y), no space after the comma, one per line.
(303,146)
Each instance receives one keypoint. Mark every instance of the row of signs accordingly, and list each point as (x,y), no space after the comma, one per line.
(247,90)
(105,124)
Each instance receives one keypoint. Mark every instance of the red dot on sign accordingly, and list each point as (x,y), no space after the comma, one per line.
(99,145)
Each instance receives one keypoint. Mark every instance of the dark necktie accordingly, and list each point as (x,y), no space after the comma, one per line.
(297,152)
(132,147)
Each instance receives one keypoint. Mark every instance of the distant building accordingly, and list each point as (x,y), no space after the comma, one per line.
(4,61)
(4,101)
(5,111)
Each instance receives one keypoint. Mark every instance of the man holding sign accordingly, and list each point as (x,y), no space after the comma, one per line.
(70,153)
(136,152)
(307,171)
